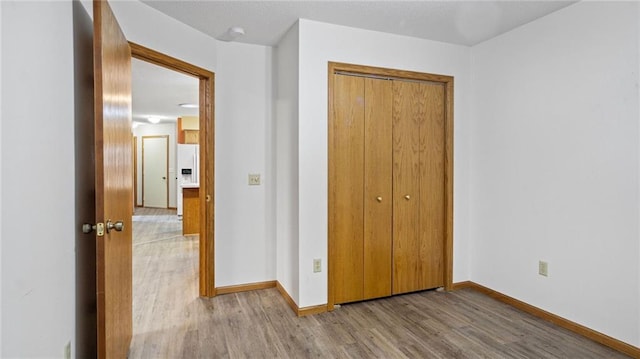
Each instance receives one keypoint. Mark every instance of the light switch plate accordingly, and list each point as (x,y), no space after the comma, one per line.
(254,179)
(543,268)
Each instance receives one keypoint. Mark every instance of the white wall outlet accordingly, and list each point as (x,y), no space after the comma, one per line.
(254,179)
(67,351)
(543,268)
(317,265)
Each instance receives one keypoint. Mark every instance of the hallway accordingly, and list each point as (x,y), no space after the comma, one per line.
(165,272)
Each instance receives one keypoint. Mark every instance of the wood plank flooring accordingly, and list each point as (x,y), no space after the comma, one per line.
(170,321)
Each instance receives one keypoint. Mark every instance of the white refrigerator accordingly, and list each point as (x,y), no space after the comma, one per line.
(188,163)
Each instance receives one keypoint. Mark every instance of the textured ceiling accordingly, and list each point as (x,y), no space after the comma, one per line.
(457,22)
(158,91)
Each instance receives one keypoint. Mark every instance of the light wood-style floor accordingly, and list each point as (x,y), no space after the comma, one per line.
(170,321)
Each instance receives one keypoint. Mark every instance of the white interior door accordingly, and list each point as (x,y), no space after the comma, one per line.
(155,176)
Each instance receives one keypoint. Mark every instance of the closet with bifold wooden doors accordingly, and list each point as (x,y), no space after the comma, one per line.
(387,184)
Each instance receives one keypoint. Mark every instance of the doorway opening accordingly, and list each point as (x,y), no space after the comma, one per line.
(173,197)
(205,160)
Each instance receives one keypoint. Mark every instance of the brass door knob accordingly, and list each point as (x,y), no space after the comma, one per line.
(118,225)
(407,197)
(379,199)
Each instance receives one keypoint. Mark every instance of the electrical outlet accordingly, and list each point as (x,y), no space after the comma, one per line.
(317,265)
(67,351)
(543,268)
(254,179)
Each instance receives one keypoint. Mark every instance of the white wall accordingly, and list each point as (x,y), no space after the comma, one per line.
(321,43)
(162,129)
(554,169)
(38,279)
(245,238)
(555,165)
(1,181)
(286,125)
(37,263)
(149,27)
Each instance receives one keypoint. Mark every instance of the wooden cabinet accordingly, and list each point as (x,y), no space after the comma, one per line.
(386,187)
(191,211)
(188,130)
(191,136)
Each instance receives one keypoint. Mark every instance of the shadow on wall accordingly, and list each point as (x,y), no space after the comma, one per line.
(86,305)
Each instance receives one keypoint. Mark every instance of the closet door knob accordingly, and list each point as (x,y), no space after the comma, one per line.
(379,199)
(407,197)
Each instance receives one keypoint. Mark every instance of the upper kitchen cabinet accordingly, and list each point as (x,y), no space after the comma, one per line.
(188,130)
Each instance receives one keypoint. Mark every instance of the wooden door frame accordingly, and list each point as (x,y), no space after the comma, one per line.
(166,174)
(447,81)
(206,82)
(135,170)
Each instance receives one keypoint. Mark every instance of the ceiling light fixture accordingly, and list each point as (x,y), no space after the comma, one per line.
(153,119)
(236,31)
(189,105)
(232,33)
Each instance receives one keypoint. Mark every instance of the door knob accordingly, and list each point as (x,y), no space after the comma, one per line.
(118,226)
(407,197)
(164,177)
(379,199)
(87,228)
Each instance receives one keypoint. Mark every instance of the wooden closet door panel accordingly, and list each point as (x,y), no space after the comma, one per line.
(408,112)
(377,188)
(432,187)
(346,180)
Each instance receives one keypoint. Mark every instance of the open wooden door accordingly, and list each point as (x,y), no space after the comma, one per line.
(114,183)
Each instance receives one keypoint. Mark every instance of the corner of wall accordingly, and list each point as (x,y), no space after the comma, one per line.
(473,94)
(2,53)
(286,150)
(270,158)
(638,199)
